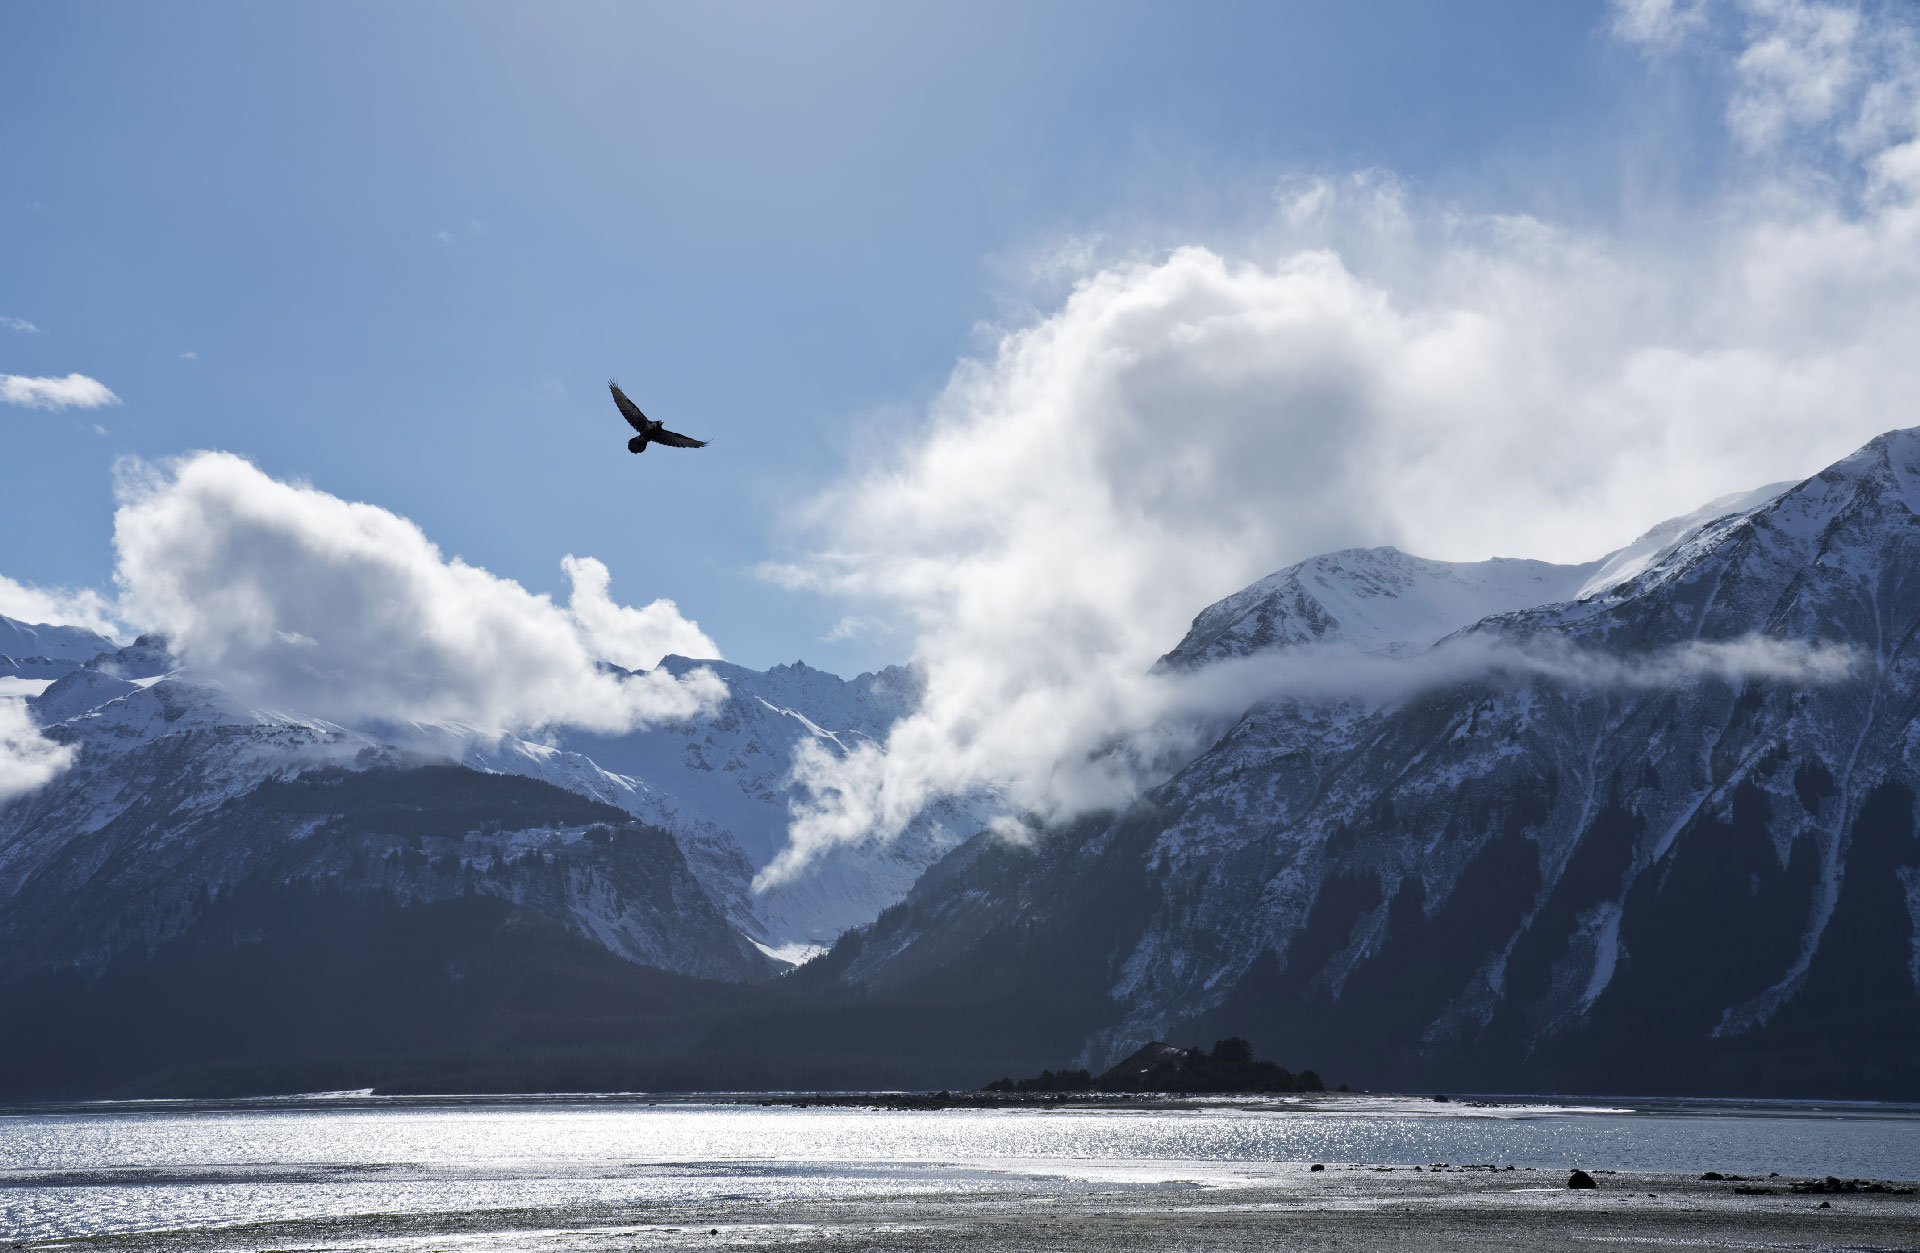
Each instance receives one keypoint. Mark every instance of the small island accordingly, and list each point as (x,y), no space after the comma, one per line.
(1162,1067)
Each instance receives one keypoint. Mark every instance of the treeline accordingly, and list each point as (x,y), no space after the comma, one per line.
(1229,1067)
(1047,1081)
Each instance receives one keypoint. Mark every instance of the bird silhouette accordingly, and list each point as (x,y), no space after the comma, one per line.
(651,432)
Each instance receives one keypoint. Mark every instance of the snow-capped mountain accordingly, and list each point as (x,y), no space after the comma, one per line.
(167,765)
(1377,600)
(722,784)
(1384,602)
(1703,882)
(179,792)
(21,642)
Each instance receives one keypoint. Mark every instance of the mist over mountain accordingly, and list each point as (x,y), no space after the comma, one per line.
(1500,883)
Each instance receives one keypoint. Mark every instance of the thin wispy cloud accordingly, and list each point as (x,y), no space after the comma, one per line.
(1658,24)
(189,356)
(1101,746)
(75,391)
(57,606)
(28,759)
(853,627)
(19,324)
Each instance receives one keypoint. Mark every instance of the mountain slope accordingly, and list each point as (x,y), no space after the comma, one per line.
(1509,882)
(180,792)
(723,783)
(718,784)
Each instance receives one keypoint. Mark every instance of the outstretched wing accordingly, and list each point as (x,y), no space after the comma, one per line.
(628,410)
(673,439)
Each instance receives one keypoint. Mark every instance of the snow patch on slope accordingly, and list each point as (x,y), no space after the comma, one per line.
(1379,601)
(1661,542)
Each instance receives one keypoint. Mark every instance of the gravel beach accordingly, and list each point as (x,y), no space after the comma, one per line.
(1344,1206)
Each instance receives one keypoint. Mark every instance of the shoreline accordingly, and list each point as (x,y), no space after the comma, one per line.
(1357,1103)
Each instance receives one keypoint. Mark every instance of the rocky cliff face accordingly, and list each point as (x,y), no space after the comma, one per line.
(1516,878)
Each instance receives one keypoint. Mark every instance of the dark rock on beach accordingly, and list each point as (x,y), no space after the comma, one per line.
(1832,1184)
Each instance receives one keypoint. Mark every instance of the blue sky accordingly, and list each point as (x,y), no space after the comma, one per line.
(395,250)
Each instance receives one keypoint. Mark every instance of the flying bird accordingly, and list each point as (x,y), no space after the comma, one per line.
(651,432)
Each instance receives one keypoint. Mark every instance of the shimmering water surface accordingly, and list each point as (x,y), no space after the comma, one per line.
(130,1167)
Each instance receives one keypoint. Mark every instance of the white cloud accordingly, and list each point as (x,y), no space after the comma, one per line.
(189,356)
(28,759)
(76,391)
(57,606)
(1376,369)
(1797,65)
(634,638)
(1799,68)
(1657,23)
(296,599)
(853,627)
(19,324)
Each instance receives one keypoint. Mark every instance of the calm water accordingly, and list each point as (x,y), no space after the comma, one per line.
(122,1168)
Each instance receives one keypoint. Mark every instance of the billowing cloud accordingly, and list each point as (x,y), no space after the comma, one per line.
(299,600)
(634,638)
(57,606)
(75,391)
(1377,369)
(28,759)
